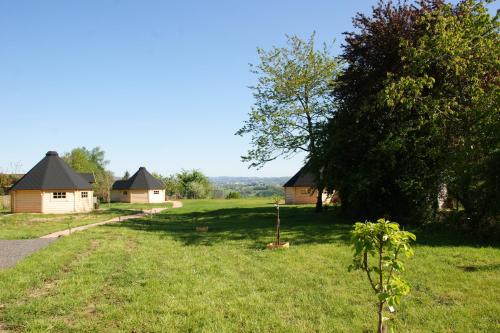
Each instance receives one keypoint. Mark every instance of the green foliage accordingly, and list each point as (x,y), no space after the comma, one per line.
(292,100)
(384,243)
(269,191)
(92,161)
(189,184)
(233,195)
(172,185)
(194,184)
(84,160)
(6,181)
(276,199)
(418,108)
(450,77)
(248,190)
(126,175)
(292,103)
(381,159)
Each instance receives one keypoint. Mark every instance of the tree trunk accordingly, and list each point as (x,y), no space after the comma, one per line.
(278,227)
(319,201)
(380,328)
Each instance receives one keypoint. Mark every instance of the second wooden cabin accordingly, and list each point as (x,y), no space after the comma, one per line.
(300,189)
(142,187)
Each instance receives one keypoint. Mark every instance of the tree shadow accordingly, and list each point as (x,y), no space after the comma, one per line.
(116,211)
(440,235)
(255,226)
(252,227)
(477,268)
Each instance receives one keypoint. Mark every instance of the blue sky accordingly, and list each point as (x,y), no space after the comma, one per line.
(153,83)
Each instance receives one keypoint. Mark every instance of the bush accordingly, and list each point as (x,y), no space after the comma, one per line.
(233,195)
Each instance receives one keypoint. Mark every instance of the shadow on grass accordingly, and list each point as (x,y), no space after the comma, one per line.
(440,235)
(476,268)
(253,227)
(115,211)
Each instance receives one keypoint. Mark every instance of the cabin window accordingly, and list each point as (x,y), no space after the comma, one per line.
(85,194)
(156,192)
(125,193)
(59,195)
(303,192)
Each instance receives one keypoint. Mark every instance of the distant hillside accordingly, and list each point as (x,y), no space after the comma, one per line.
(248,186)
(225,180)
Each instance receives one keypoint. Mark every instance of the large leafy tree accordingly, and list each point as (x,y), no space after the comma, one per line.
(93,161)
(417,107)
(452,73)
(292,104)
(191,184)
(172,186)
(194,184)
(379,156)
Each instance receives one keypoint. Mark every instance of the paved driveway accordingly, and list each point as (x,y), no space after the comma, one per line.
(11,251)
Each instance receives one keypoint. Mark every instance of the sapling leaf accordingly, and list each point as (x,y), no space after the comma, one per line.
(381,244)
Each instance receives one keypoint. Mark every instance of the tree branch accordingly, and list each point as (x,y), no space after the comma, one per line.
(365,264)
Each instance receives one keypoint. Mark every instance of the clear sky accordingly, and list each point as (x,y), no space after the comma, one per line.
(153,83)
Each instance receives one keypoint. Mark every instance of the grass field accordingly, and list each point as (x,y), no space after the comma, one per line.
(22,226)
(159,275)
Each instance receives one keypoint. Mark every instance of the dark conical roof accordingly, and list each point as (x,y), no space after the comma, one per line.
(52,173)
(141,180)
(88,176)
(302,178)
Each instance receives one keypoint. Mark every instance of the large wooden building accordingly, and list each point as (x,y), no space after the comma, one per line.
(51,186)
(142,187)
(300,189)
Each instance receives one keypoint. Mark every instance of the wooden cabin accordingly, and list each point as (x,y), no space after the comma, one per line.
(51,186)
(142,187)
(300,189)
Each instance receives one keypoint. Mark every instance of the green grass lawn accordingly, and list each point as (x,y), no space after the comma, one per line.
(22,226)
(160,275)
(133,206)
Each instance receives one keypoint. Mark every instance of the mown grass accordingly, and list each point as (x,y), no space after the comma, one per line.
(133,206)
(23,226)
(160,275)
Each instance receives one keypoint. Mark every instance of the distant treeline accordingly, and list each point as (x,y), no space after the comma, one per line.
(193,184)
(246,190)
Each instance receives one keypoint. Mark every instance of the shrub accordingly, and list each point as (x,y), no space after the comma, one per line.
(385,243)
(233,195)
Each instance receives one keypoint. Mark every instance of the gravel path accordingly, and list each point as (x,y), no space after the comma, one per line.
(11,251)
(175,204)
(113,220)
